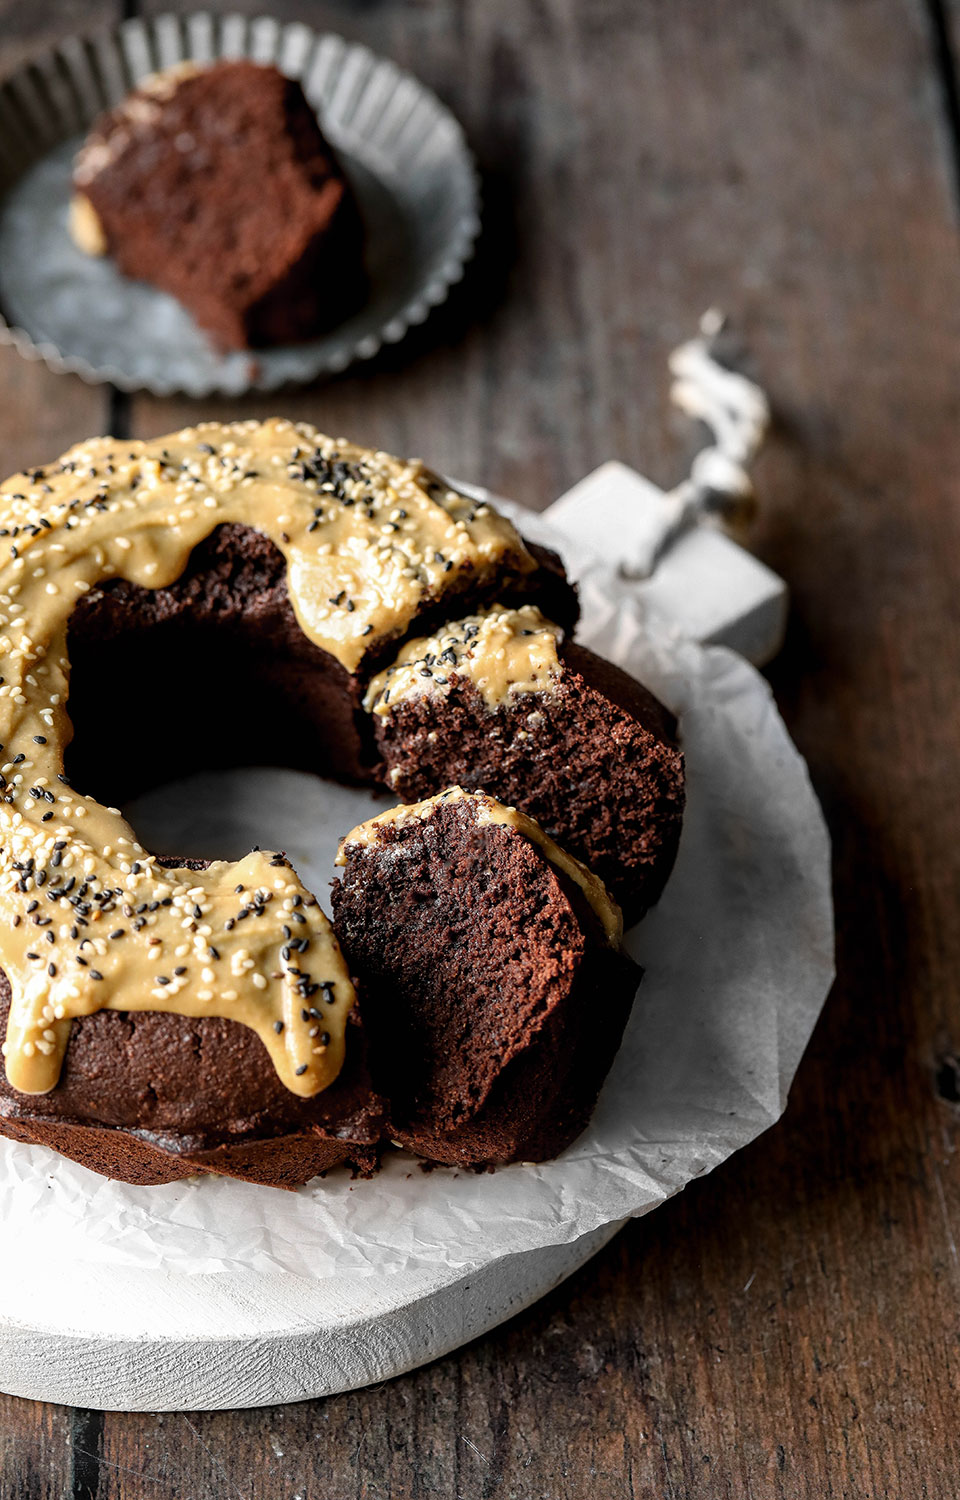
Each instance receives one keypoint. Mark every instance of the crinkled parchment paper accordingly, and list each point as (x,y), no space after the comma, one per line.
(738,958)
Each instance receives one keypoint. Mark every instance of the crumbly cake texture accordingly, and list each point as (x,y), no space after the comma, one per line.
(233,593)
(216,184)
(580,746)
(494,986)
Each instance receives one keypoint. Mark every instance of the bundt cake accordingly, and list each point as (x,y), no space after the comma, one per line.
(216,184)
(257,592)
(495,989)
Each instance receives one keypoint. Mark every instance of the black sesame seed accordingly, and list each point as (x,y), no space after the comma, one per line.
(52,970)
(39,739)
(278,1027)
(302,1069)
(95,974)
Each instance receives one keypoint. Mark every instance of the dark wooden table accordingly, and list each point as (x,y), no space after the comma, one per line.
(789,1326)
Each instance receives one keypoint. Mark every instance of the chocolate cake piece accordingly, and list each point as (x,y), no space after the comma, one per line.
(216,184)
(499,701)
(149,1097)
(495,991)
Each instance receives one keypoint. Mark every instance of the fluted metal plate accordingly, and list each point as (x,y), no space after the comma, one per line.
(403,152)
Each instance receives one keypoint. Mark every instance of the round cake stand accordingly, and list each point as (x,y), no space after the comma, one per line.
(121,1339)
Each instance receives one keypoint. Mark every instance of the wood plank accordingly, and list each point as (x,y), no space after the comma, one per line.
(36,1449)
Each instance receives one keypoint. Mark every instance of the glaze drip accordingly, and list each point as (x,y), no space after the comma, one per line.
(503,652)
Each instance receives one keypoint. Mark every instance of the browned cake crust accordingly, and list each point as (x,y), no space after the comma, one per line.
(221,189)
(595,761)
(495,1001)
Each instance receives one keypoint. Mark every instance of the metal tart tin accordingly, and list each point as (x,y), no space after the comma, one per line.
(402,150)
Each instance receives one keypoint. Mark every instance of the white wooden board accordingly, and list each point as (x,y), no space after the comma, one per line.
(121,1339)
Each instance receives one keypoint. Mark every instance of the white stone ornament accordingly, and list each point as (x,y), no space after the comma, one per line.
(670,543)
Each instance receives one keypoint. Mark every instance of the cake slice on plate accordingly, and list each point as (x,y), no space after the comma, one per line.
(217,185)
(493,986)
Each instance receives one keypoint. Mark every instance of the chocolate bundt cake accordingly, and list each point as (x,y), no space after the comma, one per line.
(258,592)
(494,985)
(216,184)
(500,701)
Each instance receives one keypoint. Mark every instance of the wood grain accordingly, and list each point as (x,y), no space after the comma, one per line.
(41,414)
(789,1327)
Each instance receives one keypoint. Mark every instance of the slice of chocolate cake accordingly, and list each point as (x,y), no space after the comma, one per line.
(498,700)
(217,185)
(493,985)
